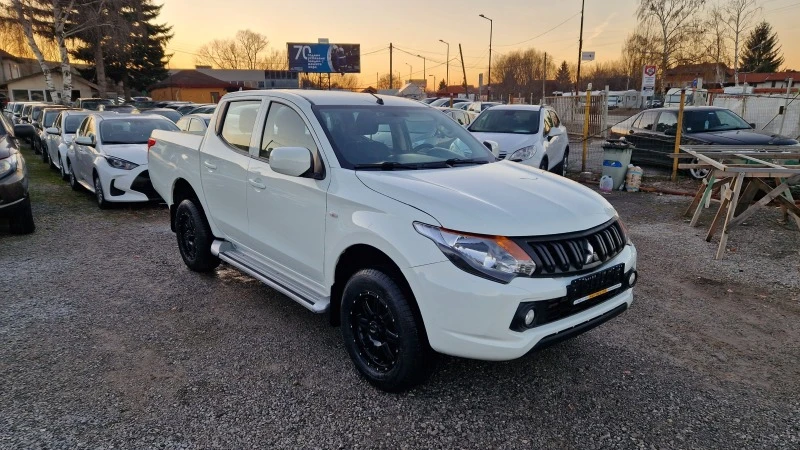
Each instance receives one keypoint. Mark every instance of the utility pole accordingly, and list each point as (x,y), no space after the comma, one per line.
(580,52)
(410,71)
(489,81)
(448,61)
(424,69)
(464,69)
(391,85)
(544,78)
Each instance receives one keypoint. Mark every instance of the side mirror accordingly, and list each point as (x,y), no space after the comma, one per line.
(753,126)
(51,130)
(85,140)
(291,161)
(493,147)
(24,130)
(556,131)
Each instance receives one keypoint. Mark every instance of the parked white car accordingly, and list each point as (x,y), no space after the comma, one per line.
(108,156)
(194,123)
(410,247)
(529,134)
(59,137)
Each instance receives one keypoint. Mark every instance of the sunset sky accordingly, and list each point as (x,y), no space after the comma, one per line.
(416,26)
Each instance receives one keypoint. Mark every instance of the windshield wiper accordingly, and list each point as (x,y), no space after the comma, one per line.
(457,161)
(387,165)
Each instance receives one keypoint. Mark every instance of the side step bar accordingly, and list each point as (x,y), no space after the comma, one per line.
(227,253)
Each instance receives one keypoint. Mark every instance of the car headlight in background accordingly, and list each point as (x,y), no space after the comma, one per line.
(8,165)
(493,257)
(523,154)
(118,163)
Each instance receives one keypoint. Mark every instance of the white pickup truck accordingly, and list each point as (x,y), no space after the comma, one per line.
(410,243)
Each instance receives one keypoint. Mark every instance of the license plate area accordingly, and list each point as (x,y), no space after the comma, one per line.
(595,285)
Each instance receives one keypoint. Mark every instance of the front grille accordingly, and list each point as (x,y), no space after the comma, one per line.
(142,184)
(573,253)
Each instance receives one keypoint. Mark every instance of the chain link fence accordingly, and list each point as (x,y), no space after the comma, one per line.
(777,114)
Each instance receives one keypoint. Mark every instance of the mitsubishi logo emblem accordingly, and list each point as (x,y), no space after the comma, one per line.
(591,256)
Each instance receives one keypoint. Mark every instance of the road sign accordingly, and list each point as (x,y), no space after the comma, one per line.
(587,56)
(649,77)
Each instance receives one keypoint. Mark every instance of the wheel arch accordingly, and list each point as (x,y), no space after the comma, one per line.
(182,190)
(364,256)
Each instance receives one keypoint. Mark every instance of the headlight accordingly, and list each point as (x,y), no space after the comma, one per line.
(523,154)
(493,257)
(120,163)
(8,165)
(624,229)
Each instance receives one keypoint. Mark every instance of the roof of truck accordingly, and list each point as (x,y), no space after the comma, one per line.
(331,98)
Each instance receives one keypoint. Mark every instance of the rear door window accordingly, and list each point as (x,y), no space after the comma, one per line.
(646,120)
(239,123)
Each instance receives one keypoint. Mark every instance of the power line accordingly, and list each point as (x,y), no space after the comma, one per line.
(542,34)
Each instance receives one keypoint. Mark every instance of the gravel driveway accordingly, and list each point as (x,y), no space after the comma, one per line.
(108,341)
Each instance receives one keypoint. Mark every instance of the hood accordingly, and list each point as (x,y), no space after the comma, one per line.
(503,198)
(509,142)
(135,153)
(742,137)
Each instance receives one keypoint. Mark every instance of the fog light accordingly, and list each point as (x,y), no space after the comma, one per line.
(632,278)
(529,316)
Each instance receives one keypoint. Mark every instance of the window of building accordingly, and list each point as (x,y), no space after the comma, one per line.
(20,95)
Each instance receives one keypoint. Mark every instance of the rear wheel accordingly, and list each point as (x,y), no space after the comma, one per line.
(194,237)
(381,333)
(698,174)
(23,223)
(62,170)
(44,155)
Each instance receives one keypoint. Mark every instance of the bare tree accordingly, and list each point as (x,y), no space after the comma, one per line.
(383,82)
(716,38)
(29,15)
(675,19)
(738,15)
(244,51)
(275,60)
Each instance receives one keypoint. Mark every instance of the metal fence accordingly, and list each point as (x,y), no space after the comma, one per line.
(572,112)
(778,114)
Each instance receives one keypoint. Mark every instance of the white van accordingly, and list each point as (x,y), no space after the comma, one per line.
(694,97)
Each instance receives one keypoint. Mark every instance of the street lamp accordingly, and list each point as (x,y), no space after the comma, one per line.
(489,83)
(424,69)
(448,60)
(410,69)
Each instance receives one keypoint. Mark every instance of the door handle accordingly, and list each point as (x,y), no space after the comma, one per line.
(209,165)
(256,184)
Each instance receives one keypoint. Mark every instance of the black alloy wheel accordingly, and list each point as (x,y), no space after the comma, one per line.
(381,333)
(194,238)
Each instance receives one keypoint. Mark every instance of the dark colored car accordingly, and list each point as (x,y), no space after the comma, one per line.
(208,109)
(170,114)
(15,201)
(652,133)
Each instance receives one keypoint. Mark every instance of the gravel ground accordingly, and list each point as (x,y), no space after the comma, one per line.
(108,341)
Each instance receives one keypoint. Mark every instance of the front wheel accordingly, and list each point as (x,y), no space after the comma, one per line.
(102,203)
(698,174)
(73,180)
(23,223)
(194,238)
(381,334)
(43,151)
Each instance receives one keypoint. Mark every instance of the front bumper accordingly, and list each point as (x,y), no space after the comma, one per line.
(126,185)
(470,317)
(13,190)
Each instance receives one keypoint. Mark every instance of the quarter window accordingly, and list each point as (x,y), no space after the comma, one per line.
(239,123)
(554,118)
(183,124)
(197,125)
(284,128)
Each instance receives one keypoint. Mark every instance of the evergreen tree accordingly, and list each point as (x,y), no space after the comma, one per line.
(443,85)
(563,78)
(135,55)
(762,54)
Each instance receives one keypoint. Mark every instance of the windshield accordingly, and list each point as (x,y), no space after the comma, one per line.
(50,117)
(414,137)
(516,121)
(72,122)
(713,120)
(18,108)
(132,131)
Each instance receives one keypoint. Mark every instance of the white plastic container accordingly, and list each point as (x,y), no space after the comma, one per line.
(606,183)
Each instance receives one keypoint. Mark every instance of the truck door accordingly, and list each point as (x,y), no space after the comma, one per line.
(286,213)
(224,160)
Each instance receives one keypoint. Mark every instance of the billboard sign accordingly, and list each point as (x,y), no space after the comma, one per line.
(324,58)
(587,56)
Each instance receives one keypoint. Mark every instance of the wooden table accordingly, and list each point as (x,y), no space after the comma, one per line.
(740,172)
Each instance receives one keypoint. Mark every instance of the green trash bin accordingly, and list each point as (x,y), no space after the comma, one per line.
(616,157)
